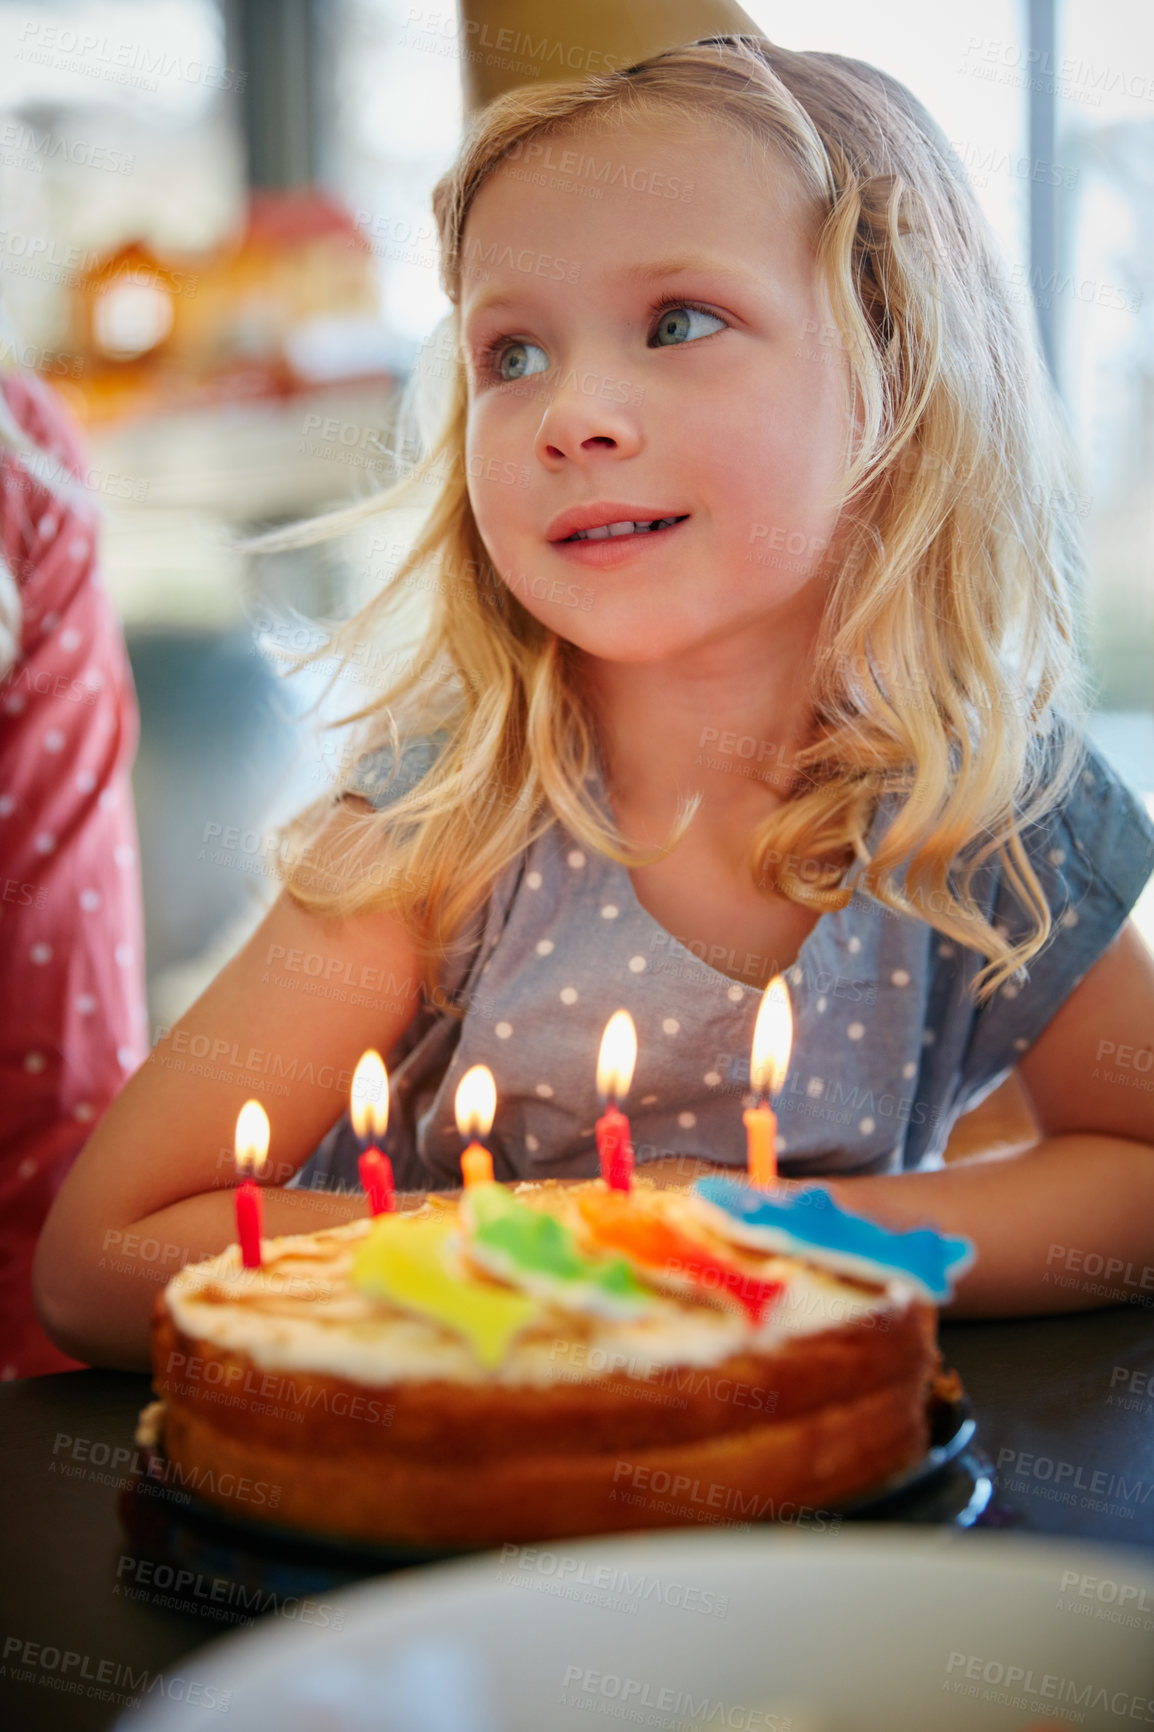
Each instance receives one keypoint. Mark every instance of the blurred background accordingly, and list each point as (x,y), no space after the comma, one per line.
(216,242)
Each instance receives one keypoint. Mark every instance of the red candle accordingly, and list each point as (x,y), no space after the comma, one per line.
(249,1222)
(615,1064)
(252,1137)
(615,1148)
(376,1171)
(369,1111)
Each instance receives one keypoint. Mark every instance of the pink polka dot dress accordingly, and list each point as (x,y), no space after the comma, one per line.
(73,1021)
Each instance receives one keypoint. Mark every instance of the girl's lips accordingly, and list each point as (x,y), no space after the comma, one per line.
(615,549)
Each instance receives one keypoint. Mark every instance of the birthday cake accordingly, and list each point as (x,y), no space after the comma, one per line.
(527,1363)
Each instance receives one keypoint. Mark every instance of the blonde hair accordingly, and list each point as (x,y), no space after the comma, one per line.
(947,666)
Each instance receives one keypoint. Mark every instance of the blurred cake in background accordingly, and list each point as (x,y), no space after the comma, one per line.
(289,303)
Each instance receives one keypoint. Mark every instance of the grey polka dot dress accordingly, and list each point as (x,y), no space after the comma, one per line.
(888,1047)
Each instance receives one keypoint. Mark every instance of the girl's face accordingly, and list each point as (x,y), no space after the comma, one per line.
(660,350)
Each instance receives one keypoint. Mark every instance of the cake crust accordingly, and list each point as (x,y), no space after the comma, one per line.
(813,1424)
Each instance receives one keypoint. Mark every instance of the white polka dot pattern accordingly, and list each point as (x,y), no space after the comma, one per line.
(885,1023)
(74,1024)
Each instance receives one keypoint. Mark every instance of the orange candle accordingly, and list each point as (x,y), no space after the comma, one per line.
(772,1041)
(615,1064)
(477,1165)
(369,1111)
(761,1144)
(251,1145)
(475,1108)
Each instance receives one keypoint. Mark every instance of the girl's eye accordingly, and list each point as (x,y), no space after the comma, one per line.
(675,321)
(502,351)
(505,359)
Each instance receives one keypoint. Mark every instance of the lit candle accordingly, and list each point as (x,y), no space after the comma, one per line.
(615,1064)
(772,1039)
(476,1103)
(251,1154)
(370,1115)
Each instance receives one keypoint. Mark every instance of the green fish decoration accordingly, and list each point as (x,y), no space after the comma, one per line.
(540,1254)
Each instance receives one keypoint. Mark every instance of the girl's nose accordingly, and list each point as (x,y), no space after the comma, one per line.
(589,413)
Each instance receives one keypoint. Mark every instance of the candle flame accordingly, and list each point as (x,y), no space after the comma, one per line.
(369,1108)
(251,1139)
(476,1102)
(772,1039)
(617,1057)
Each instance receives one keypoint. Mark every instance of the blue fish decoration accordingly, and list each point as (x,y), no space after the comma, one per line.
(808,1223)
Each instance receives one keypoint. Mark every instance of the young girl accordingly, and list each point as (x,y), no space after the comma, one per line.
(752,651)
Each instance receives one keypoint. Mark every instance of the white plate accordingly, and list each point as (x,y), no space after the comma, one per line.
(787,1631)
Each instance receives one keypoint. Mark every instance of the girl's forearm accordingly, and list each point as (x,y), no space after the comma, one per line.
(102,1315)
(1064,1225)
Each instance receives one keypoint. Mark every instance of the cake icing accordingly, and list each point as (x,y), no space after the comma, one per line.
(302,1311)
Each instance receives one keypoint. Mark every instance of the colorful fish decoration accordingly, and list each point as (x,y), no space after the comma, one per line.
(808,1223)
(411,1265)
(537,1252)
(663,1251)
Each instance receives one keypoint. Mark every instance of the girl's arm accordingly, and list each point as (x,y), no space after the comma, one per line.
(152,1189)
(1066,1224)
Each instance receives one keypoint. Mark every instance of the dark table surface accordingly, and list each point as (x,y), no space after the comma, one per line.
(1063,1406)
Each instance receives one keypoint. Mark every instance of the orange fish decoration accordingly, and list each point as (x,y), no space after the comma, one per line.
(658,1248)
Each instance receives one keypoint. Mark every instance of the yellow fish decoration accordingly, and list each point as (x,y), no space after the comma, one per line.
(407,1263)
